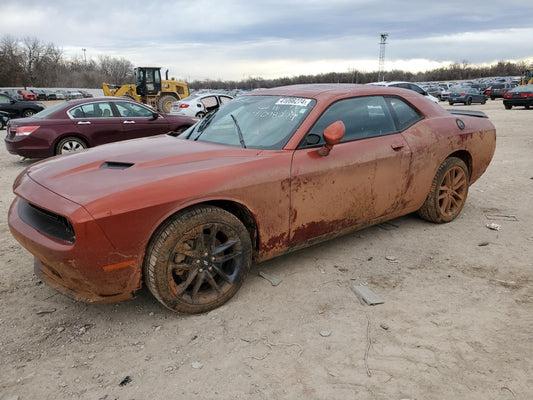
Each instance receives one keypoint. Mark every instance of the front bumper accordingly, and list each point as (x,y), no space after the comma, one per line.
(86,267)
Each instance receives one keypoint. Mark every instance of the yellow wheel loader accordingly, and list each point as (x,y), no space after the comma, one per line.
(150,89)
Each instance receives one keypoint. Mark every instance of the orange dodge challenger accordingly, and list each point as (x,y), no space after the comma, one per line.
(269,172)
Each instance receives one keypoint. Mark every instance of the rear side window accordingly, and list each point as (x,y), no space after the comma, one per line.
(92,110)
(405,115)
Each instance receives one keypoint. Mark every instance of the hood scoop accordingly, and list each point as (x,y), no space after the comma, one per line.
(116,165)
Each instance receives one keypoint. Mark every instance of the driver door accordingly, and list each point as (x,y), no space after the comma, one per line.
(363,178)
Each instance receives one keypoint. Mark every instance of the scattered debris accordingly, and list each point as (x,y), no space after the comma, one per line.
(272,279)
(383,325)
(41,312)
(325,333)
(270,345)
(504,283)
(494,227)
(483,244)
(248,340)
(392,259)
(369,258)
(197,365)
(125,381)
(60,329)
(501,217)
(509,389)
(366,295)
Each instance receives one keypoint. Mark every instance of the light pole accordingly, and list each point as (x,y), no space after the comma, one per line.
(382,44)
(84,56)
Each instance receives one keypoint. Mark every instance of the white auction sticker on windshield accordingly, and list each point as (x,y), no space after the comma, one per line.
(293,101)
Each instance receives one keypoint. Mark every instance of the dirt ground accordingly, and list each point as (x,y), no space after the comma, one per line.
(456,322)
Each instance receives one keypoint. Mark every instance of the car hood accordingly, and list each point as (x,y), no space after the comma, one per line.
(132,166)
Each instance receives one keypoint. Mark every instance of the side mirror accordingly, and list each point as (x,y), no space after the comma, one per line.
(333,134)
(155,116)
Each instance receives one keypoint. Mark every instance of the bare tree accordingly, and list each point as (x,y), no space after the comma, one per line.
(116,71)
(10,62)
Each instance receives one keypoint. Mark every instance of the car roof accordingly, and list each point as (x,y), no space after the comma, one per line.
(328,91)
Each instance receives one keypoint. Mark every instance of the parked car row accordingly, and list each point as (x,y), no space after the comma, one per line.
(46,94)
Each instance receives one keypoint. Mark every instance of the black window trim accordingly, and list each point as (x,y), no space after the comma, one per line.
(394,116)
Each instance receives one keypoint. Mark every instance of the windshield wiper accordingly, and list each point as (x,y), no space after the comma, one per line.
(239,132)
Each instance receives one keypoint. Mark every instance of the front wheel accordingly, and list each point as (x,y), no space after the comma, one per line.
(448,192)
(198,259)
(70,144)
(483,101)
(469,101)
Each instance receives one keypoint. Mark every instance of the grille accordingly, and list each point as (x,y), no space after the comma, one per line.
(46,222)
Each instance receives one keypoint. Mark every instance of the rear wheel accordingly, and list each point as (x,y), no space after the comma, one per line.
(164,103)
(508,106)
(27,113)
(450,103)
(200,114)
(198,259)
(448,192)
(70,144)
(483,101)
(469,101)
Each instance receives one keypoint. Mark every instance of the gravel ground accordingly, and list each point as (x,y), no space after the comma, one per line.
(456,322)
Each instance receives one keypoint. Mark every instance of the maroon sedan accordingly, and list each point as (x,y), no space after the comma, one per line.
(77,124)
(270,172)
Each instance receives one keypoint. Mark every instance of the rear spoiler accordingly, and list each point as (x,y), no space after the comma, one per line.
(470,113)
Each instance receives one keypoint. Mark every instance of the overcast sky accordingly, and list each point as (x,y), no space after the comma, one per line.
(230,39)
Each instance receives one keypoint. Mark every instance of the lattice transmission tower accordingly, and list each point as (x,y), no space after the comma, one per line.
(382,44)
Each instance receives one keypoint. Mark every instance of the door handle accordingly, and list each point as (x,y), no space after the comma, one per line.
(84,123)
(128,122)
(397,146)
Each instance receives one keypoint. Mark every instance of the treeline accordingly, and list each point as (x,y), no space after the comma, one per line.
(28,62)
(453,72)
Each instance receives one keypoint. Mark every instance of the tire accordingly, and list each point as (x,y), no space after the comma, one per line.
(198,259)
(526,106)
(70,144)
(469,101)
(164,103)
(483,101)
(448,192)
(492,98)
(508,106)
(450,103)
(27,113)
(200,114)
(2,123)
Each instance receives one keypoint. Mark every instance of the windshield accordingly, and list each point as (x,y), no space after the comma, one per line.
(254,122)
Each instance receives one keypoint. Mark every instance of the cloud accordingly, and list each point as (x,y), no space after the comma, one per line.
(231,39)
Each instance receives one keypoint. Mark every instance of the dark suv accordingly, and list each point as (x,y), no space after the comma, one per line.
(499,89)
